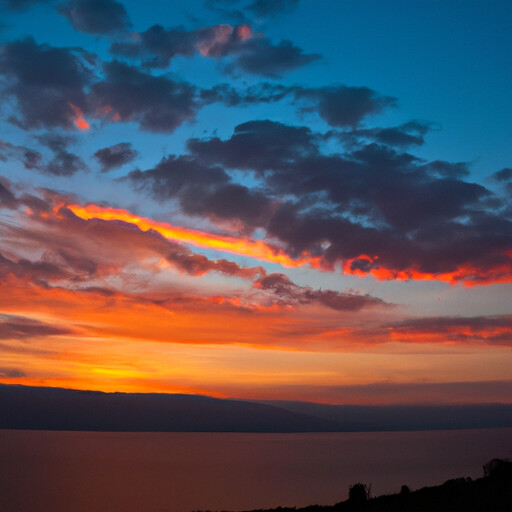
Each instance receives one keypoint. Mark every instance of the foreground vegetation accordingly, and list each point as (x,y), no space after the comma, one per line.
(492,493)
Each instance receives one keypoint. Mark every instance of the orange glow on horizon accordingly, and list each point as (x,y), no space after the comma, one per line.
(126,385)
(257,249)
(209,345)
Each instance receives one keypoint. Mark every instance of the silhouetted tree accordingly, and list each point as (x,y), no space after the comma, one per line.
(498,468)
(358,493)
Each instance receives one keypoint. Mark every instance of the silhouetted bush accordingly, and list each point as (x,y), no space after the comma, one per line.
(358,493)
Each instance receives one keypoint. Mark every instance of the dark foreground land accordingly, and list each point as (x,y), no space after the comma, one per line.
(492,493)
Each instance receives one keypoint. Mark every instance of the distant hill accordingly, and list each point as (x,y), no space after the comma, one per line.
(368,418)
(39,408)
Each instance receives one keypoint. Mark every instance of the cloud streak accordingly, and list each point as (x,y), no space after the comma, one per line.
(257,249)
(491,330)
(96,16)
(21,328)
(289,293)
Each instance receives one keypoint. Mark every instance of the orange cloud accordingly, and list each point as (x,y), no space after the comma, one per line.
(257,249)
(215,39)
(78,118)
(492,330)
(467,274)
(158,317)
(166,341)
(244,32)
(108,111)
(219,36)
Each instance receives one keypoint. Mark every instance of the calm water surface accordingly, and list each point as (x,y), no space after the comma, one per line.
(169,472)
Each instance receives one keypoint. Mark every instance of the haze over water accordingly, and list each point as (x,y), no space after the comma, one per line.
(180,472)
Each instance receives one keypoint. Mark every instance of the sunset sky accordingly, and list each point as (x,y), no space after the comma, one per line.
(268,199)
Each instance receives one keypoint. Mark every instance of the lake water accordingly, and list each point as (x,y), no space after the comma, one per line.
(181,472)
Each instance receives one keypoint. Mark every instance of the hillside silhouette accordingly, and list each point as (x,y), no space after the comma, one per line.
(491,493)
(33,408)
(39,408)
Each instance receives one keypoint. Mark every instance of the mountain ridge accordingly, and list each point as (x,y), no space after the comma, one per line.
(42,408)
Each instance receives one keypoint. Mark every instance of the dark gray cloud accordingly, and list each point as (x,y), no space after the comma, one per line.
(260,93)
(231,201)
(197,265)
(367,181)
(22,328)
(283,144)
(312,231)
(21,5)
(240,10)
(174,175)
(203,190)
(63,162)
(157,46)
(342,105)
(96,16)
(7,198)
(11,373)
(54,87)
(157,103)
(493,330)
(264,8)
(227,9)
(47,83)
(260,56)
(503,175)
(31,159)
(57,88)
(246,52)
(292,294)
(403,136)
(450,170)
(339,105)
(39,272)
(475,250)
(36,204)
(115,156)
(371,205)
(403,213)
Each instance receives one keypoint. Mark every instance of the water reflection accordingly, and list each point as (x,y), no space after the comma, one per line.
(170,472)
